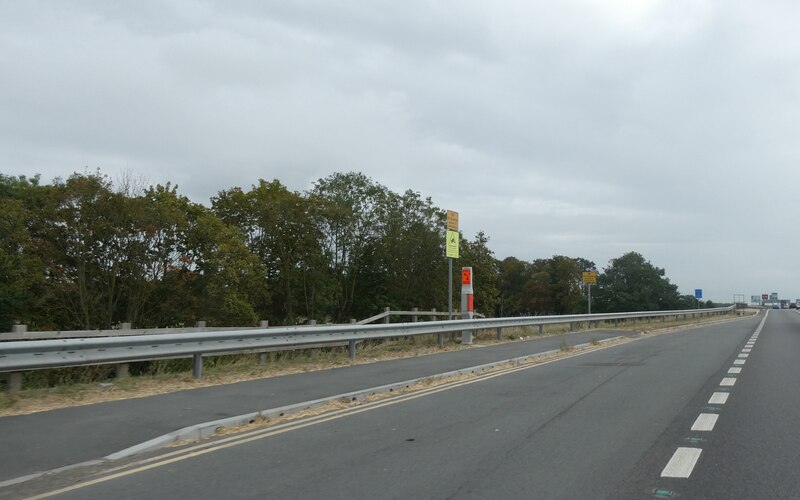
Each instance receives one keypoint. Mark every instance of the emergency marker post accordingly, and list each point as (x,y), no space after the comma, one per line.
(467,302)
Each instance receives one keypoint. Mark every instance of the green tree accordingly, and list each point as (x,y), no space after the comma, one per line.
(514,275)
(631,283)
(349,209)
(279,228)
(406,263)
(21,270)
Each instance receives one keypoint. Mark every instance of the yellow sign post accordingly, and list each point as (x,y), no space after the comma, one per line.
(451,240)
(589,278)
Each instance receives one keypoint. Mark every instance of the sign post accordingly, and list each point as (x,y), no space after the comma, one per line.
(467,301)
(698,294)
(451,251)
(589,278)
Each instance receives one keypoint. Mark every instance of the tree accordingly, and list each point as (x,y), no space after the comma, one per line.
(348,215)
(21,270)
(406,263)
(279,228)
(631,283)
(514,275)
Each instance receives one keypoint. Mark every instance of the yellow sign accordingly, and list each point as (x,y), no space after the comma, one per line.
(452,244)
(589,277)
(452,220)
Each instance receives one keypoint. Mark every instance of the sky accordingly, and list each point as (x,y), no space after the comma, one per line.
(579,128)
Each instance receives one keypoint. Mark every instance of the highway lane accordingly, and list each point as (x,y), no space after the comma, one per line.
(58,438)
(581,427)
(752,450)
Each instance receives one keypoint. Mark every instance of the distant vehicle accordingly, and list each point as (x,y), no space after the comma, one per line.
(792,305)
(776,306)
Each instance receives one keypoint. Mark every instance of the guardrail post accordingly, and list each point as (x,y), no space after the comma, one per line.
(262,356)
(439,336)
(14,381)
(197,365)
(541,329)
(201,325)
(351,349)
(634,322)
(386,318)
(122,370)
(499,333)
(351,345)
(312,322)
(414,316)
(19,328)
(571,327)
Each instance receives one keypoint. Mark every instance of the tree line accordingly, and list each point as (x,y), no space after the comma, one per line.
(86,253)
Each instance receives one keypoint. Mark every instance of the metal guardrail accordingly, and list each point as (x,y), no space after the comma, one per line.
(20,332)
(20,356)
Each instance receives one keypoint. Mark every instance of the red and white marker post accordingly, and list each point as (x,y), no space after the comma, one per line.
(467,302)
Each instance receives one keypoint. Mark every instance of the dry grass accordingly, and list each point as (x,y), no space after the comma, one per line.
(240,368)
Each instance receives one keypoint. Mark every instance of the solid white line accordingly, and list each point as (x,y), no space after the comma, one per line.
(734,369)
(705,422)
(738,361)
(682,462)
(728,381)
(719,398)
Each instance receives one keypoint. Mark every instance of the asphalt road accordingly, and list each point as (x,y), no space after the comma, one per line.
(603,424)
(58,438)
(753,450)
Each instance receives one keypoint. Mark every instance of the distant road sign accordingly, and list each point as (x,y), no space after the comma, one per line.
(451,244)
(452,220)
(764,296)
(698,293)
(589,277)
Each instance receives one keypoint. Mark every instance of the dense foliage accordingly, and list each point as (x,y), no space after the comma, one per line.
(83,253)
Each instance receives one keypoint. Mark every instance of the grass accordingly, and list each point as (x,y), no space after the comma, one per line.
(48,389)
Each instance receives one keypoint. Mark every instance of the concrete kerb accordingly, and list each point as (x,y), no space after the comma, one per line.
(203,430)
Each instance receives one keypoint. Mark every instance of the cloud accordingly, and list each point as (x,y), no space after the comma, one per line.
(583,128)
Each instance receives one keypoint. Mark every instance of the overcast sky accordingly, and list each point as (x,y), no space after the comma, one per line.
(579,128)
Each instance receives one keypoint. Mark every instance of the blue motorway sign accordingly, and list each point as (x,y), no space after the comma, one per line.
(698,293)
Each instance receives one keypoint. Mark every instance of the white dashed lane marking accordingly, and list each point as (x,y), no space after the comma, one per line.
(682,462)
(705,422)
(684,459)
(719,398)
